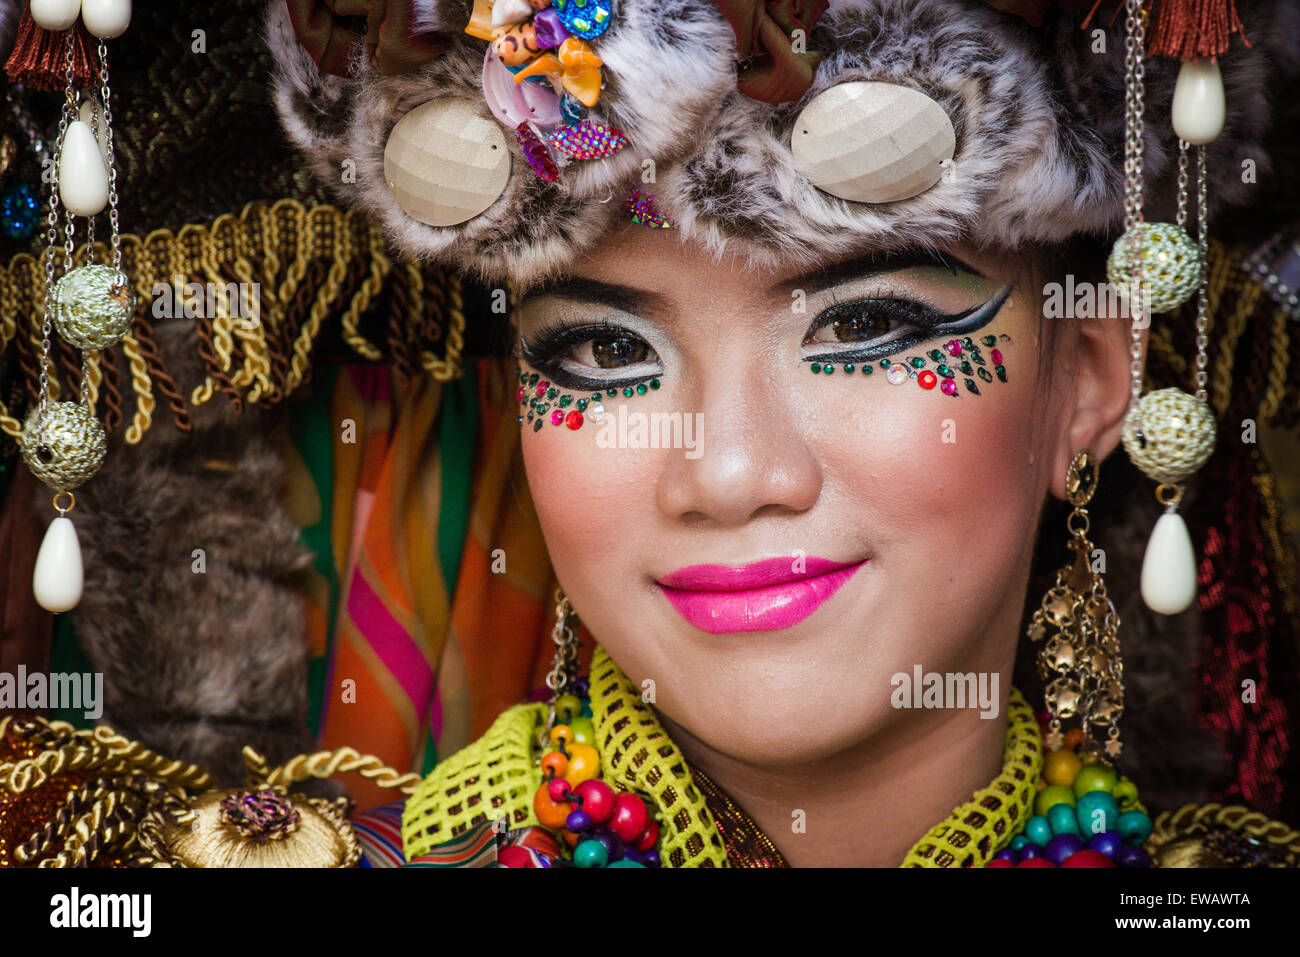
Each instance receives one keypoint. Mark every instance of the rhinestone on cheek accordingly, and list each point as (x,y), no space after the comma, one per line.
(573,420)
(897,374)
(557,417)
(952,347)
(949,387)
(927,379)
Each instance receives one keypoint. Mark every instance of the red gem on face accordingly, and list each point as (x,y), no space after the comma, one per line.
(949,387)
(519,394)
(927,379)
(952,347)
(997,357)
(574,419)
(541,387)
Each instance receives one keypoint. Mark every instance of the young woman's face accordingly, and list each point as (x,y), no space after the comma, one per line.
(763,528)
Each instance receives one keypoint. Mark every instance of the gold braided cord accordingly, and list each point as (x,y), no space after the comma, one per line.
(1279,366)
(325,764)
(1198,816)
(1236,326)
(267,251)
(119,802)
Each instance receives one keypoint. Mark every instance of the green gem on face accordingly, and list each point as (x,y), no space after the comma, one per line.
(886,363)
(1002,372)
(582,405)
(537,426)
(944,371)
(627,392)
(916,362)
(641,389)
(816,367)
(552,393)
(967,368)
(848,367)
(654,383)
(565,400)
(968,343)
(972,387)
(990,340)
(828,369)
(532,379)
(979,359)
(985,374)
(936,355)
(868,369)
(611,392)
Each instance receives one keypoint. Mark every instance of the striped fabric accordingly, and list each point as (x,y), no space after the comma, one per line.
(379,832)
(428,605)
(477,847)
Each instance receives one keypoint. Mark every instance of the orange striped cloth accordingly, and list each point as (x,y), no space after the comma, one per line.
(429,603)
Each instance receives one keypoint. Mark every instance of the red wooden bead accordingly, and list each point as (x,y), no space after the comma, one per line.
(597,800)
(630,817)
(1035,862)
(648,837)
(1087,858)
(556,789)
(999,862)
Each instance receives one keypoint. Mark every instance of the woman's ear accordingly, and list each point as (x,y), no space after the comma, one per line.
(1100,358)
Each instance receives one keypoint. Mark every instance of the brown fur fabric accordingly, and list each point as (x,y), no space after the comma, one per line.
(195,665)
(1038,116)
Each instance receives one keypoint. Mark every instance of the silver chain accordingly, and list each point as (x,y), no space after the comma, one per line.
(1181,219)
(1134,108)
(115,237)
(1202,291)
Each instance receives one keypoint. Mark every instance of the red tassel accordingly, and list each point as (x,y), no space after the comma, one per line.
(1194,29)
(39,59)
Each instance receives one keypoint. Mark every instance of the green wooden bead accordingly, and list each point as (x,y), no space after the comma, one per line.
(1095,777)
(584,731)
(590,854)
(1051,796)
(1062,820)
(1096,811)
(567,707)
(1134,827)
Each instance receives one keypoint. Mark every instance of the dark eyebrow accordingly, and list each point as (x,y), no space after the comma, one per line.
(862,267)
(624,298)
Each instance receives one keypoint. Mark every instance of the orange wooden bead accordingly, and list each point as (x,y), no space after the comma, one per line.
(571,839)
(561,732)
(1074,738)
(555,763)
(550,813)
(1060,767)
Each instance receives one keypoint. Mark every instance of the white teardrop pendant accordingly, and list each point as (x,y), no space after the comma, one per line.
(1169,568)
(55,15)
(106,19)
(83,177)
(1200,106)
(59,575)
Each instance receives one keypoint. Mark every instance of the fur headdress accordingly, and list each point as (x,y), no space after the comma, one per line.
(1036,119)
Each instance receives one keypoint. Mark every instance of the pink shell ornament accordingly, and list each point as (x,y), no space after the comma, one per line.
(515,103)
(587,140)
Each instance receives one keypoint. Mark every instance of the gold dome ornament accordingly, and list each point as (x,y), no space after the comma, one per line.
(1168,261)
(93,307)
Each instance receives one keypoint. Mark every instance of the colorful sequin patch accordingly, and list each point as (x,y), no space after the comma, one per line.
(587,140)
(641,207)
(957,359)
(537,154)
(585,18)
(546,403)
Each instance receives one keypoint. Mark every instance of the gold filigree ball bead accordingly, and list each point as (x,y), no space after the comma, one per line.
(93,306)
(67,448)
(1169,435)
(1170,264)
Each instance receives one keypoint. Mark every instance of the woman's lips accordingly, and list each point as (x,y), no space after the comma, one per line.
(769,595)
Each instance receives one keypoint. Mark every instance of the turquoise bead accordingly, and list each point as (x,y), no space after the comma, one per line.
(1038,830)
(1096,811)
(1134,827)
(1018,842)
(590,854)
(627,864)
(1062,819)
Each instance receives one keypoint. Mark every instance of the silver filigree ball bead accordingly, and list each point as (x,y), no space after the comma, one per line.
(1169,435)
(70,448)
(1170,264)
(93,307)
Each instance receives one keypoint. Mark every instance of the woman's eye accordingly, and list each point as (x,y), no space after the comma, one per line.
(613,352)
(860,325)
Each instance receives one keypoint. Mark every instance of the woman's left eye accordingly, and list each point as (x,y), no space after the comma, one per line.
(869,326)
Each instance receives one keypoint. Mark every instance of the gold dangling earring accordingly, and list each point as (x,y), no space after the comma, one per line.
(564,666)
(1080,660)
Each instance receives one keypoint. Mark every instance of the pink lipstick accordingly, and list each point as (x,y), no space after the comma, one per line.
(767,595)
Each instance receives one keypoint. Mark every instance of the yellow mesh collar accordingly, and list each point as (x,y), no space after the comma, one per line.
(497,776)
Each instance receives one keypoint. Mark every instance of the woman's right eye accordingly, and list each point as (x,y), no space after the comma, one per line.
(612,352)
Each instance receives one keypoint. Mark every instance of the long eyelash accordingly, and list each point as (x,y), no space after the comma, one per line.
(552,341)
(926,321)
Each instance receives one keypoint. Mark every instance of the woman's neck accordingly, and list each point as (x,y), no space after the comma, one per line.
(867,806)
